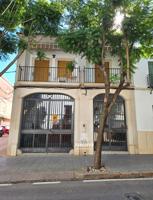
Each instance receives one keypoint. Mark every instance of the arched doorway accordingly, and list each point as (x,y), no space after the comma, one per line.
(115,135)
(47,123)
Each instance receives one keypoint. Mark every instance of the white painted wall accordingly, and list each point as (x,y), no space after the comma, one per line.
(143,97)
(144,110)
(140,76)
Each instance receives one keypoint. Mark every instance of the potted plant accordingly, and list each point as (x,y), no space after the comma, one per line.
(40,54)
(70,66)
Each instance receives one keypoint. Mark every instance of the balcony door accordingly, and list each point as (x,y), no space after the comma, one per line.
(63,71)
(41,71)
(99,76)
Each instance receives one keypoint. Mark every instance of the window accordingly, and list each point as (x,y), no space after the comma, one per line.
(150,76)
(150,67)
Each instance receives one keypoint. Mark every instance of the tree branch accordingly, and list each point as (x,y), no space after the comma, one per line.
(117,92)
(7,7)
(11,63)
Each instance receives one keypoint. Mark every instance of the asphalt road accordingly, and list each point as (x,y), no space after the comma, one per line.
(79,190)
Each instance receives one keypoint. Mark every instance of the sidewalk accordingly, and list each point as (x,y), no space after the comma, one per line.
(51,167)
(3,145)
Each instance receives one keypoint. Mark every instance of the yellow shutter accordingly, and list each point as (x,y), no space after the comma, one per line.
(41,71)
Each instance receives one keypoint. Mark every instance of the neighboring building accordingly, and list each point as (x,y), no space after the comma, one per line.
(58,110)
(143,82)
(6,96)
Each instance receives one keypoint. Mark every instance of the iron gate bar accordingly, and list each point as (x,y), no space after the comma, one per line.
(115,136)
(37,121)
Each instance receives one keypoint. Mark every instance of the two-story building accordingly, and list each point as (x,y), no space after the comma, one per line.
(57,110)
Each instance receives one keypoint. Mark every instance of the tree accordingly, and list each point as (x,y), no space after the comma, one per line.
(10,19)
(90,28)
(29,18)
(42,17)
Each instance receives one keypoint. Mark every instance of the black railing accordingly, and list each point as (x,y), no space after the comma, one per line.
(94,75)
(61,74)
(150,80)
(51,74)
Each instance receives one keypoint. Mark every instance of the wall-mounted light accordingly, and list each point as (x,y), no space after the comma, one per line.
(54,56)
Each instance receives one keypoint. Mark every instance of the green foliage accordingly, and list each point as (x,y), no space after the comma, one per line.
(41,54)
(22,44)
(81,42)
(42,17)
(8,45)
(70,66)
(30,17)
(90,28)
(89,14)
(114,78)
(10,18)
(11,13)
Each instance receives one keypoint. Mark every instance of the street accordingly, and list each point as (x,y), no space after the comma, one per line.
(136,189)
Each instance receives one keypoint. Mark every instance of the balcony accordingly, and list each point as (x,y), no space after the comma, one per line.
(44,46)
(60,75)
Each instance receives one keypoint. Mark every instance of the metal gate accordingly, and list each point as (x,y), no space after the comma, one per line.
(115,134)
(47,123)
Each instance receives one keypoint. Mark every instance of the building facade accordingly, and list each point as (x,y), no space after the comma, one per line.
(57,110)
(143,82)
(6,97)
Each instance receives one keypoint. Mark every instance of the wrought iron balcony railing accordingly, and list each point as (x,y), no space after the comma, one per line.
(61,74)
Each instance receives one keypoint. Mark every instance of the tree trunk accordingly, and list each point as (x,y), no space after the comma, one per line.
(107,104)
(11,63)
(103,118)
(98,157)
(127,61)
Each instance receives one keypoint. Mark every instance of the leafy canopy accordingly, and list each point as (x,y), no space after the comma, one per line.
(29,17)
(10,18)
(90,27)
(42,17)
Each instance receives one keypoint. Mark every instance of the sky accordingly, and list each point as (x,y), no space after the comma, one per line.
(10,74)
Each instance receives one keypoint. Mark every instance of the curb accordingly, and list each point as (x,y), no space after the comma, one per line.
(118,175)
(86,176)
